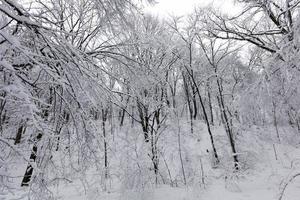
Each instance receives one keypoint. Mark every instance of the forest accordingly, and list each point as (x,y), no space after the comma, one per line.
(101,100)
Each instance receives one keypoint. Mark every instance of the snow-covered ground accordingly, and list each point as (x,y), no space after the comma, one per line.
(275,165)
(264,181)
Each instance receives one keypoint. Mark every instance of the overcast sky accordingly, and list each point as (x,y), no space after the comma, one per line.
(181,7)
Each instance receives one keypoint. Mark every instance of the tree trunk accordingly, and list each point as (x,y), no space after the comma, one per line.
(29,170)
(275,121)
(205,117)
(227,125)
(20,132)
(180,155)
(104,117)
(187,94)
(210,104)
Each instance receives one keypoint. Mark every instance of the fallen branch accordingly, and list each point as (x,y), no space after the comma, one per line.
(286,184)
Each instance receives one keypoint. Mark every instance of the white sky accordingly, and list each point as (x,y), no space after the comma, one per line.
(181,7)
(165,8)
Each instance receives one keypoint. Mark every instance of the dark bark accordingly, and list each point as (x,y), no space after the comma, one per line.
(122,117)
(187,94)
(154,151)
(275,121)
(205,118)
(104,118)
(144,119)
(2,110)
(29,170)
(210,104)
(20,132)
(226,123)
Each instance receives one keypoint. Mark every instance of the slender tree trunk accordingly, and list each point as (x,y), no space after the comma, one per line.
(154,138)
(154,155)
(104,116)
(202,173)
(111,121)
(227,125)
(29,170)
(210,104)
(275,121)
(132,114)
(58,137)
(180,154)
(205,118)
(187,94)
(194,100)
(124,109)
(220,107)
(20,132)
(122,117)
(2,111)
